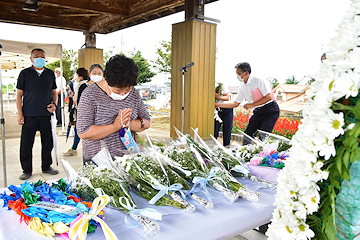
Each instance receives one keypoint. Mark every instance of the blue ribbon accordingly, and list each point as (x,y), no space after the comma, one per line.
(242,169)
(164,190)
(201,183)
(146,212)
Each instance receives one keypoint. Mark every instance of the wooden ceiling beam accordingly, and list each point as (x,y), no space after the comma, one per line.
(143,10)
(104,6)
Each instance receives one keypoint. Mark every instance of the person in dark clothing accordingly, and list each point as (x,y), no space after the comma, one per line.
(226,115)
(35,102)
(258,93)
(70,91)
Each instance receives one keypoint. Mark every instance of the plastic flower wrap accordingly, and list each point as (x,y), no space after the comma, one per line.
(105,180)
(160,181)
(221,179)
(183,161)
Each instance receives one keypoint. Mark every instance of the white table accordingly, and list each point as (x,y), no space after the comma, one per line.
(224,221)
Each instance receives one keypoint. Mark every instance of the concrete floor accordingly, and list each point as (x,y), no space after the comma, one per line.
(13,167)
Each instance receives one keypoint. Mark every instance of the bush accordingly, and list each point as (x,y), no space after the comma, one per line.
(284,126)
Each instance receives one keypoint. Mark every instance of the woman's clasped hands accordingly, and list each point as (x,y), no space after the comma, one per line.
(123,118)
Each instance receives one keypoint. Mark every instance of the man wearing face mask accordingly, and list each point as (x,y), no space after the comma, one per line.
(258,93)
(35,101)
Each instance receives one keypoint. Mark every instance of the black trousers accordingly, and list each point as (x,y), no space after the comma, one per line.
(58,110)
(227,115)
(264,118)
(29,129)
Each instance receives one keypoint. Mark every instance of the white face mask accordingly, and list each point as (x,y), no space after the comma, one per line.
(117,96)
(240,78)
(96,78)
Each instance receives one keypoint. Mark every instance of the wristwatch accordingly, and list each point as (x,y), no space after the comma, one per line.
(142,122)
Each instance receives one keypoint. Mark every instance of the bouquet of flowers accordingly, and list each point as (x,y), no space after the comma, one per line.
(270,157)
(219,89)
(49,209)
(222,180)
(239,169)
(102,180)
(146,172)
(183,161)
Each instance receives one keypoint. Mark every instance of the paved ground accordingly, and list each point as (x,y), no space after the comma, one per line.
(13,168)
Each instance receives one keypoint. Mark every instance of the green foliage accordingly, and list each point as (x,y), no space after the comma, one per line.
(311,81)
(274,82)
(291,80)
(163,60)
(347,151)
(70,63)
(108,54)
(145,73)
(5,88)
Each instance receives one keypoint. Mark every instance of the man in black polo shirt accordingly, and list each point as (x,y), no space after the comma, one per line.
(35,102)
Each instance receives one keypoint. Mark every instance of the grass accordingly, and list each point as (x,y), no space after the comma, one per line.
(160,121)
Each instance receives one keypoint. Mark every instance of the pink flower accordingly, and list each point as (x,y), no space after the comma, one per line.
(256,160)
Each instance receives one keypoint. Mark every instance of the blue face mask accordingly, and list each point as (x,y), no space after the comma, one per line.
(39,62)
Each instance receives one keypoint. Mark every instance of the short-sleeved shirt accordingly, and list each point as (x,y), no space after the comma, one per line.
(97,108)
(225,91)
(60,81)
(71,85)
(36,91)
(253,83)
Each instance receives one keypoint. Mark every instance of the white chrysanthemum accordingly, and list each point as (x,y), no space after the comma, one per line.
(348,84)
(324,144)
(354,57)
(331,123)
(303,232)
(311,200)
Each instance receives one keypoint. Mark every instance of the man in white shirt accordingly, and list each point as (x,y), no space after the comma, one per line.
(60,81)
(266,110)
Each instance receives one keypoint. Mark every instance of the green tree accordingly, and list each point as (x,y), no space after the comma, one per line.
(163,60)
(274,82)
(70,63)
(311,81)
(109,54)
(291,80)
(145,73)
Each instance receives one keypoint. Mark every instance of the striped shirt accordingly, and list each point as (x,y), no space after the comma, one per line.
(97,108)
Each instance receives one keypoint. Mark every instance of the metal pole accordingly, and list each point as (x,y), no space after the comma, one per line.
(183,106)
(62,98)
(3,127)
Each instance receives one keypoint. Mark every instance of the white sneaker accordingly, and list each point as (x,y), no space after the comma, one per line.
(70,152)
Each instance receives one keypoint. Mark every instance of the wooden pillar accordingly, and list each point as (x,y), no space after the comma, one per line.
(90,54)
(193,41)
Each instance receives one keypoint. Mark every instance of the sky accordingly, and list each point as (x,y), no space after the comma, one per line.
(279,38)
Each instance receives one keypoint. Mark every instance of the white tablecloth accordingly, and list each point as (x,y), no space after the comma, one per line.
(225,220)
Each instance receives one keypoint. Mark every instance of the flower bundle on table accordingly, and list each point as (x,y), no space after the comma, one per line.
(102,180)
(270,157)
(222,180)
(161,181)
(51,209)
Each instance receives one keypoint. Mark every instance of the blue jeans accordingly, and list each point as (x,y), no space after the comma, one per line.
(227,115)
(76,140)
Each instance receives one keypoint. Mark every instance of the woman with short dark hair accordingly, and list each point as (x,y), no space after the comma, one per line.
(109,105)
